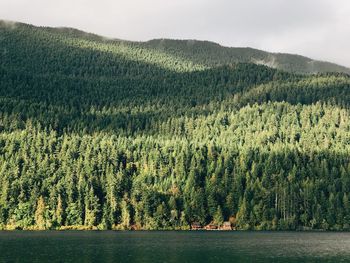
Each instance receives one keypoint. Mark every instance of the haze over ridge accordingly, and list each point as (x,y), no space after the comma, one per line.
(317,29)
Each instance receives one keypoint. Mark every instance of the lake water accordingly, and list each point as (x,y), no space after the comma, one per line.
(164,246)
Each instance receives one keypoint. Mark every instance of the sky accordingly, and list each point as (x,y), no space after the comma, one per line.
(319,29)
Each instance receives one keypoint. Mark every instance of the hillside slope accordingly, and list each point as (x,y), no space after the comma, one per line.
(212,54)
(205,53)
(110,134)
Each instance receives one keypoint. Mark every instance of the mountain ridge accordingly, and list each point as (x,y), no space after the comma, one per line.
(208,53)
(284,61)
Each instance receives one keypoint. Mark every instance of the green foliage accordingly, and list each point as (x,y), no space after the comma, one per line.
(218,217)
(106,134)
(212,54)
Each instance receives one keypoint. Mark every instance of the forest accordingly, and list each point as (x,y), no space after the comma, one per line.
(98,133)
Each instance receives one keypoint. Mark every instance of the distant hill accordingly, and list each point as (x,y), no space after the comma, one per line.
(212,54)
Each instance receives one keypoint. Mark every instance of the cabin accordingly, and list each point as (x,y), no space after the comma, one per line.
(211,226)
(135,227)
(196,226)
(226,226)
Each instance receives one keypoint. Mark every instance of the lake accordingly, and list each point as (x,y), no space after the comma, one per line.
(172,246)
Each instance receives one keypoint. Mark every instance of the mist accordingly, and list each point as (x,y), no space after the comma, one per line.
(319,29)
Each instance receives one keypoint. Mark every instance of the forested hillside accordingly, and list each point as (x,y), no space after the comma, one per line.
(212,54)
(112,134)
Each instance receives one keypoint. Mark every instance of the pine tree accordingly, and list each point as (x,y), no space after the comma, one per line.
(40,214)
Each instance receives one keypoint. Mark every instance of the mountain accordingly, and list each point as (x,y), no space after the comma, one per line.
(207,54)
(212,54)
(112,134)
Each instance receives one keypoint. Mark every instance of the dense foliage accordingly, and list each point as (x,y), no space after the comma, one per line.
(114,134)
(212,54)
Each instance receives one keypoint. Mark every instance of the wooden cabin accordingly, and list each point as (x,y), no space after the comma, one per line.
(135,227)
(196,226)
(226,226)
(211,226)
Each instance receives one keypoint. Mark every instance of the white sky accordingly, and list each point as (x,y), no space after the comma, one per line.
(316,28)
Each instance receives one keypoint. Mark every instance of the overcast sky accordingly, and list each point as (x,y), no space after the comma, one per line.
(316,28)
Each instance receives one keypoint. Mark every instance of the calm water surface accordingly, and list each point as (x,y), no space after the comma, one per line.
(150,247)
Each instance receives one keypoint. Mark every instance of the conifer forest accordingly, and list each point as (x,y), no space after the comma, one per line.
(97,133)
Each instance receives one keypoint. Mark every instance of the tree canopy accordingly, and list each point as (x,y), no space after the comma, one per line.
(107,134)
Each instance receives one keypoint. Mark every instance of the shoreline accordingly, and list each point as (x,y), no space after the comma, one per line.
(95,229)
